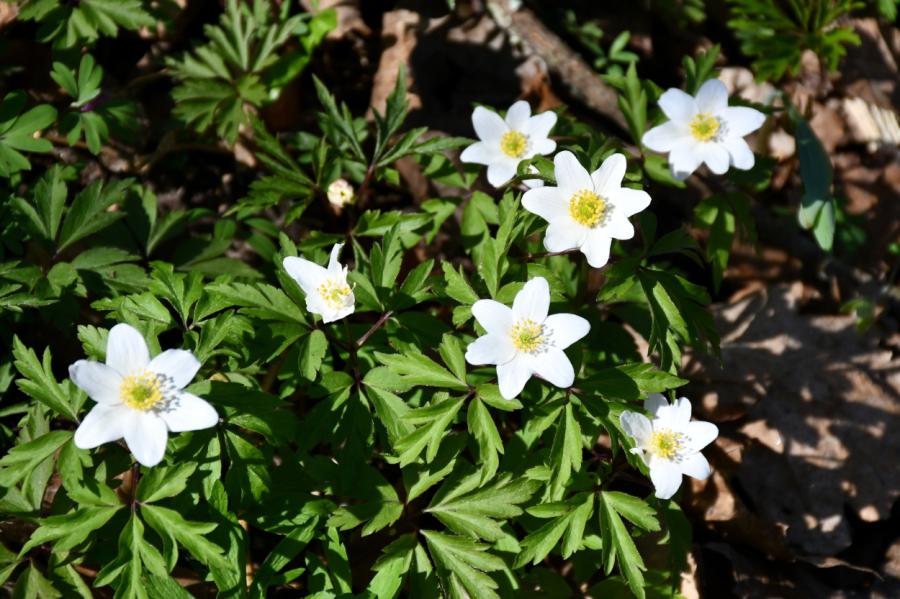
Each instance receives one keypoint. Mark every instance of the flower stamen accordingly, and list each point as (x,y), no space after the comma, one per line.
(704,126)
(514,144)
(334,293)
(529,336)
(667,444)
(587,208)
(142,391)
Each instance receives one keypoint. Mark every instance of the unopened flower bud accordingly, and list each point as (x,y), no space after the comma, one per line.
(340,193)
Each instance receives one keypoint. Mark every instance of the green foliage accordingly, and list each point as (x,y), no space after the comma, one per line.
(817,208)
(18,129)
(69,24)
(222,80)
(776,34)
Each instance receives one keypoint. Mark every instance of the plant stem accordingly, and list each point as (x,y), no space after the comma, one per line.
(378,324)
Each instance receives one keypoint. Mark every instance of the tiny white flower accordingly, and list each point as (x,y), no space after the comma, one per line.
(139,399)
(586,211)
(524,340)
(704,129)
(326,289)
(670,444)
(340,193)
(504,143)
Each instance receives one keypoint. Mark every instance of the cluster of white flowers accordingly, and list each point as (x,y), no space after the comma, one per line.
(141,400)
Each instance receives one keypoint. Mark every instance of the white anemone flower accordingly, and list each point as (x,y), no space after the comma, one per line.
(669,444)
(524,340)
(586,211)
(139,399)
(703,128)
(326,289)
(504,143)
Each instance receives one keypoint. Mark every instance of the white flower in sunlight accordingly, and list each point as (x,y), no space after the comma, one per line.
(340,193)
(504,143)
(586,211)
(524,340)
(704,129)
(326,289)
(669,444)
(139,399)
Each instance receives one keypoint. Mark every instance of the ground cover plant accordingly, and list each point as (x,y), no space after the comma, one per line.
(285,314)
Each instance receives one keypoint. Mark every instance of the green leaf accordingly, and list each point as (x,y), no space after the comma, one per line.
(175,530)
(67,531)
(17,132)
(479,513)
(481,426)
(463,562)
(281,555)
(40,383)
(419,369)
(162,482)
(438,417)
(22,459)
(565,454)
(392,566)
(88,213)
(817,205)
(617,541)
(568,518)
(134,555)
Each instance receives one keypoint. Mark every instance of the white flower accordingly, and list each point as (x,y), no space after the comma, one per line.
(586,211)
(704,129)
(670,444)
(326,289)
(504,143)
(340,193)
(138,398)
(523,340)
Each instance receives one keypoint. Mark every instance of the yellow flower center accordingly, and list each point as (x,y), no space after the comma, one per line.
(513,144)
(704,126)
(334,293)
(528,336)
(666,444)
(586,207)
(141,391)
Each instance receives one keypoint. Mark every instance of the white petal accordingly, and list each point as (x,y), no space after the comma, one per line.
(666,478)
(533,301)
(146,436)
(187,412)
(700,434)
(654,403)
(98,380)
(546,202)
(570,175)
(716,157)
(543,146)
(564,234)
(126,350)
(178,364)
(330,315)
(512,376)
(308,275)
(334,265)
(636,426)
(742,120)
(695,466)
(490,349)
(608,178)
(596,248)
(494,317)
(712,97)
(630,201)
(518,114)
(619,227)
(741,154)
(664,137)
(538,127)
(554,367)
(501,171)
(567,329)
(488,125)
(685,158)
(676,414)
(478,153)
(103,424)
(677,105)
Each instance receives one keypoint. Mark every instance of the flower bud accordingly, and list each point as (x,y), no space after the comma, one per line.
(340,193)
